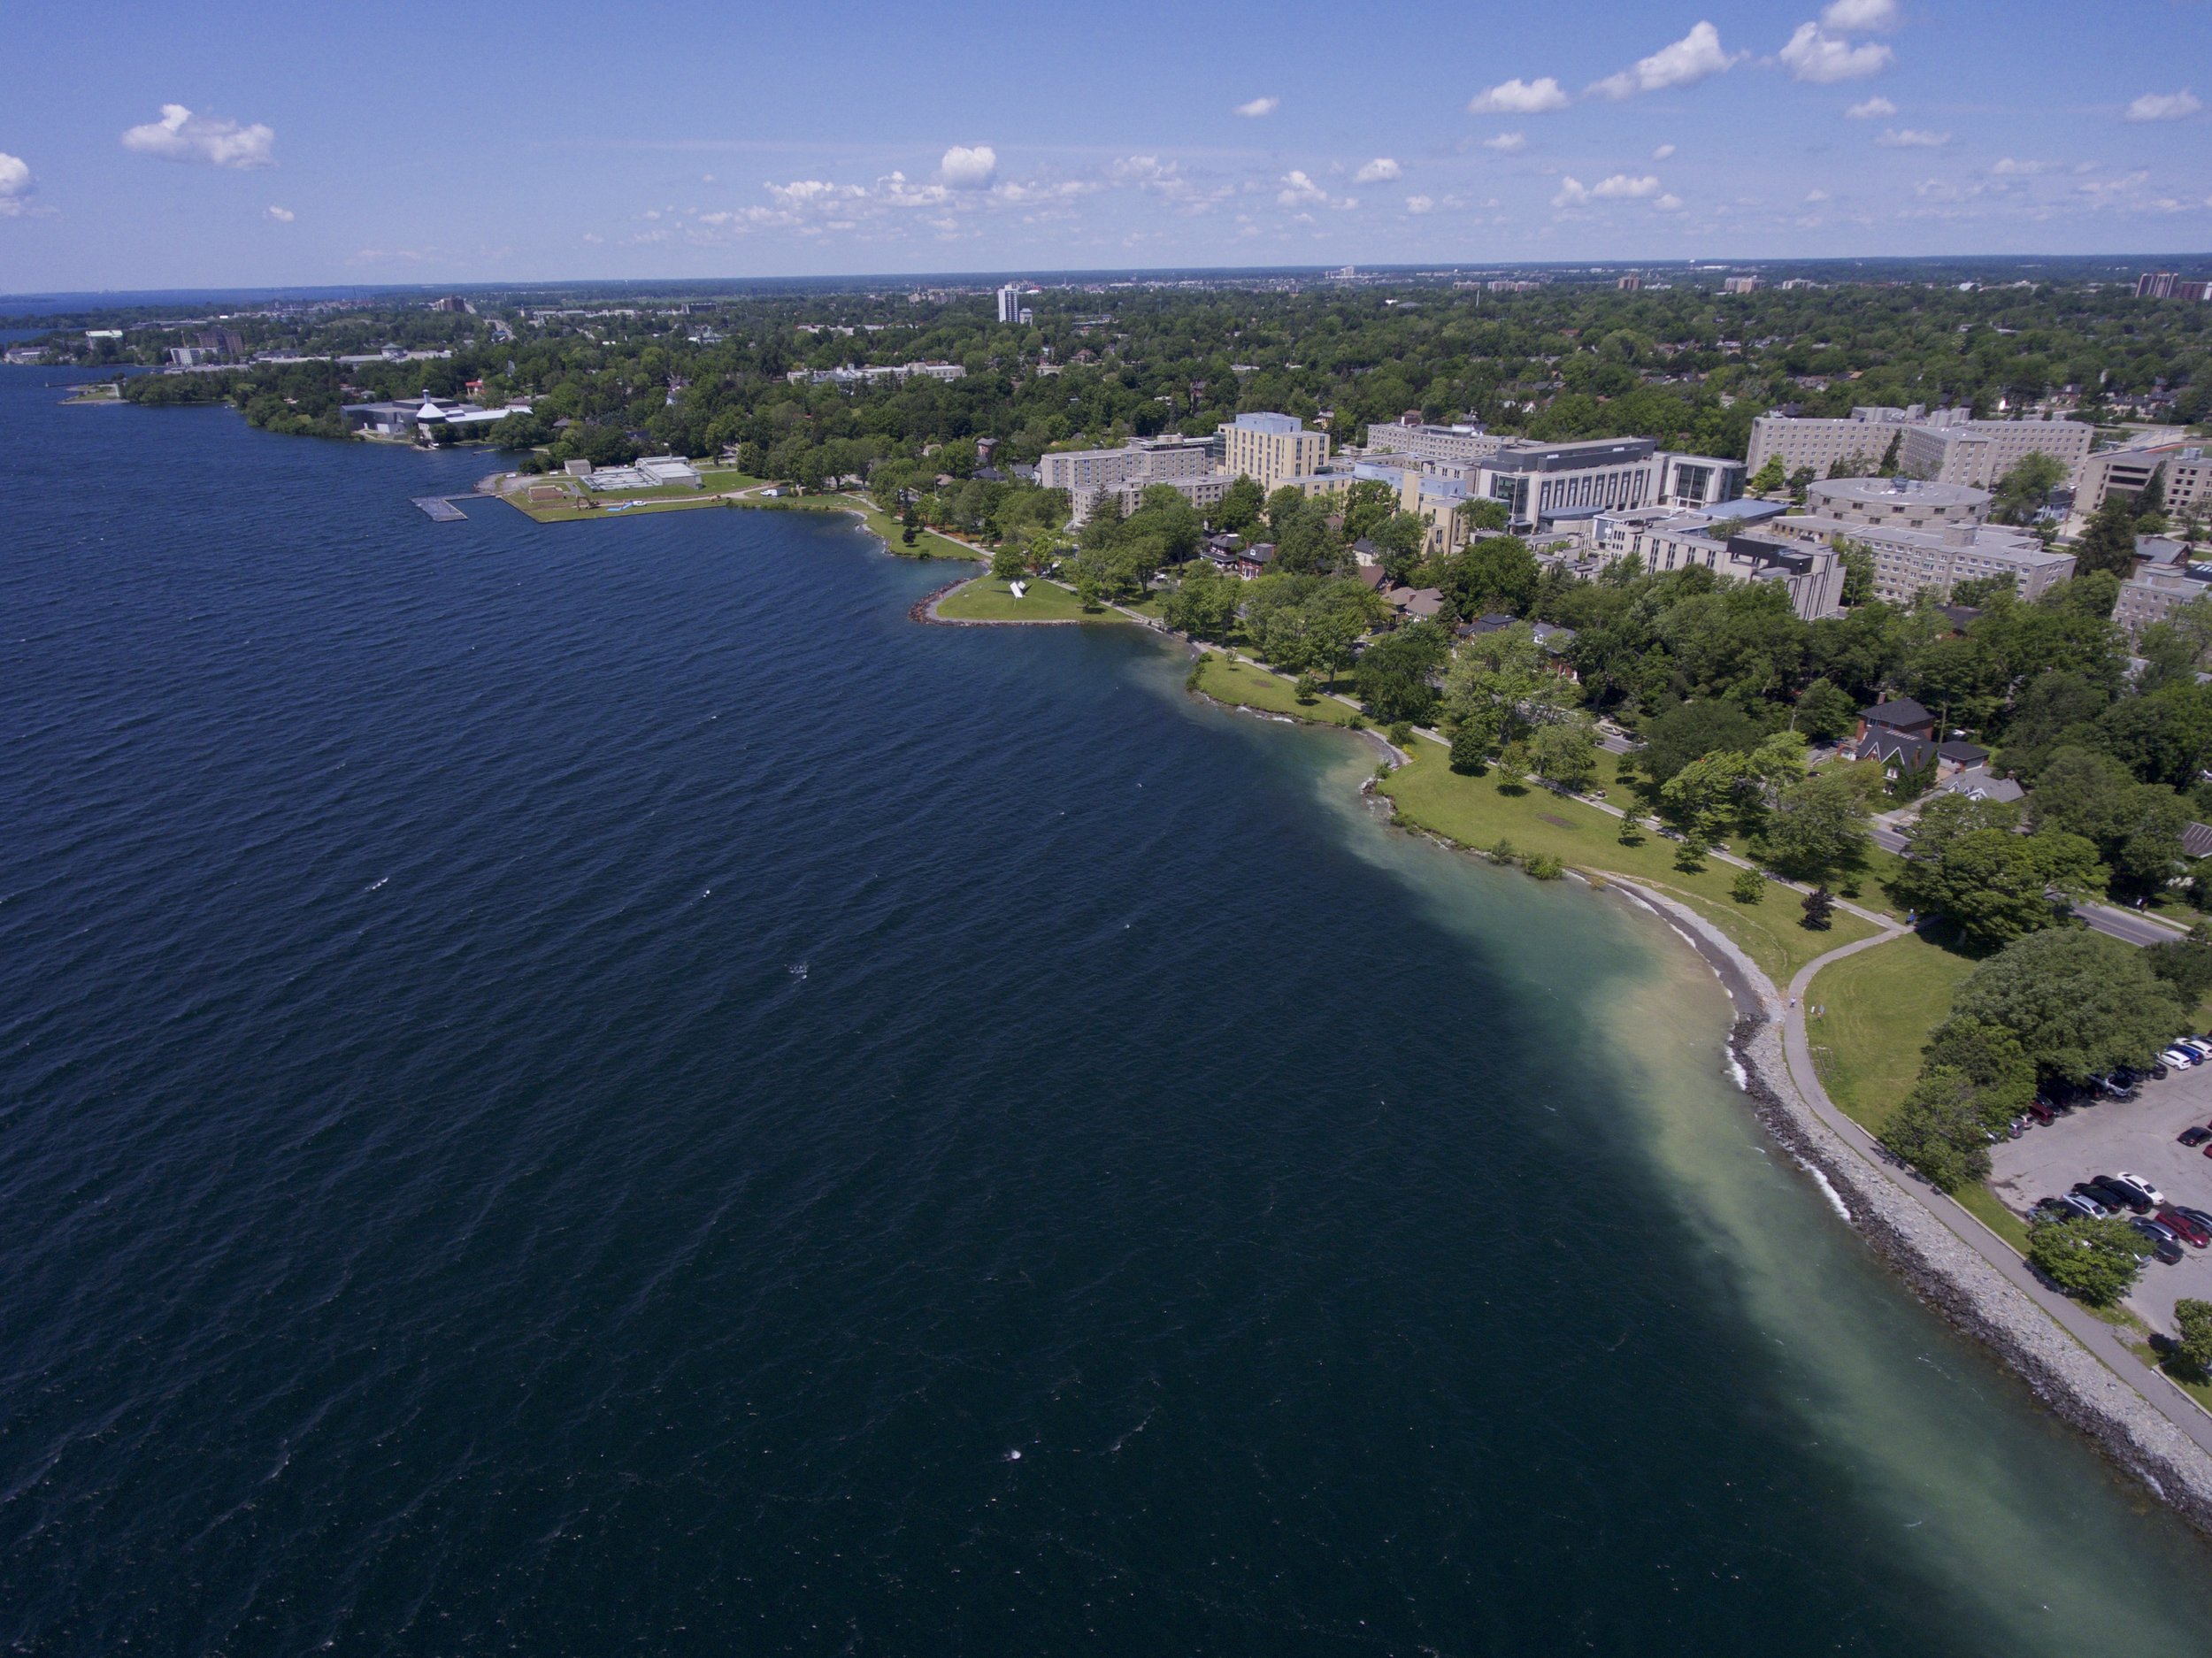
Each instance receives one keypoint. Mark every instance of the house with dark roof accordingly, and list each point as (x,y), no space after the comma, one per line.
(1901,755)
(1898,717)
(1253,561)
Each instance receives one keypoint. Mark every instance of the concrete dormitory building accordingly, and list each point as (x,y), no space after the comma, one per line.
(2187,483)
(1188,464)
(1923,535)
(1721,539)
(1949,447)
(1446,445)
(1273,449)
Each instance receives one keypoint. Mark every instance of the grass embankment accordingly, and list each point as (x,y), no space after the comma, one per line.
(988,599)
(1228,680)
(1876,1009)
(1477,811)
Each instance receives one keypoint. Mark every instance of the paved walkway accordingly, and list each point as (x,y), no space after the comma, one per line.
(2100,1339)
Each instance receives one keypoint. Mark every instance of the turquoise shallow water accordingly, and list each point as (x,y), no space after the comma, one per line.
(591,1088)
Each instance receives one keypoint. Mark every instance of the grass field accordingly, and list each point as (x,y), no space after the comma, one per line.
(988,599)
(1876,1010)
(1228,679)
(1476,812)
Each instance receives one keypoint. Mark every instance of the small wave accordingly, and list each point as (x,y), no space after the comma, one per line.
(1835,1198)
(379,882)
(1741,1077)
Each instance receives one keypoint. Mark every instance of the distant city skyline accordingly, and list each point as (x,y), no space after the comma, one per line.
(239,146)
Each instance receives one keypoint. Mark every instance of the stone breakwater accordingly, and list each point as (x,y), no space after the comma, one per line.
(1945,1272)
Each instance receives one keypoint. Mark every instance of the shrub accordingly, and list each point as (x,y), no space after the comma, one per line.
(1402,732)
(2193,1337)
(1820,909)
(1470,753)
(1545,867)
(1503,852)
(1750,888)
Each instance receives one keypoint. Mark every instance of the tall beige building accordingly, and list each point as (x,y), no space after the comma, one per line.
(1273,449)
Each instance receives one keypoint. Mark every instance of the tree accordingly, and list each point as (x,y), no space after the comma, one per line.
(1823,711)
(2136,827)
(1009,563)
(1691,730)
(1994,886)
(1858,572)
(2077,1002)
(1203,603)
(2193,1336)
(1769,478)
(1750,888)
(1989,1057)
(1818,829)
(1696,797)
(2185,965)
(1498,573)
(1394,672)
(1499,683)
(1565,751)
(2095,1260)
(2021,493)
(1820,909)
(2109,542)
(1239,510)
(1888,468)
(1939,1129)
(1471,748)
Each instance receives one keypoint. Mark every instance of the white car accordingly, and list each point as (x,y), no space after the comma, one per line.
(2136,1182)
(2177,1060)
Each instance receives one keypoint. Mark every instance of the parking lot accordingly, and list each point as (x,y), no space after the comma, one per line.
(2138,1136)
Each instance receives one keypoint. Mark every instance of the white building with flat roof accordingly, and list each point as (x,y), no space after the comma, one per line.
(2188,476)
(1811,574)
(1089,474)
(1901,503)
(1449,444)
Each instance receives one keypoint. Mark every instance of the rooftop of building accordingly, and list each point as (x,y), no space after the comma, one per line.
(1271,423)
(1906,492)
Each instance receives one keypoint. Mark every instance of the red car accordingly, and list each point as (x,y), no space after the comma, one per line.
(2194,1235)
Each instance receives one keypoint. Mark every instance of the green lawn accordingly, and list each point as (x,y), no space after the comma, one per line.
(1986,1207)
(1876,1010)
(1477,812)
(1229,681)
(988,599)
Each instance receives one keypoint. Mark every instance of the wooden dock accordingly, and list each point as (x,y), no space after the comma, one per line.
(442,510)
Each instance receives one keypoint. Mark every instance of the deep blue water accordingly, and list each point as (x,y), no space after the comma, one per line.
(586,1088)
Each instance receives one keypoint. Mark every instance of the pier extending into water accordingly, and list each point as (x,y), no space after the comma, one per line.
(441,509)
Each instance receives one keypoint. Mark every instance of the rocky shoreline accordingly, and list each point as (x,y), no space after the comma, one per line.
(1946,1274)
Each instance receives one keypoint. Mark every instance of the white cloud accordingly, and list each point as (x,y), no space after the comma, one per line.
(15,184)
(1822,60)
(1620,187)
(1691,59)
(282,215)
(1912,138)
(2164,106)
(1419,203)
(1815,196)
(1663,152)
(969,166)
(2009,168)
(180,135)
(1669,204)
(1381,170)
(1258,107)
(1874,109)
(1507,143)
(1300,190)
(1519,97)
(1859,16)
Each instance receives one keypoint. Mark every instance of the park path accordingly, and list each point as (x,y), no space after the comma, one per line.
(2100,1338)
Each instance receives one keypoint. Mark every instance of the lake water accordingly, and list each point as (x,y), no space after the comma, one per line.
(595,1088)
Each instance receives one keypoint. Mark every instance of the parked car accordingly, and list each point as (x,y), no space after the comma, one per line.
(2196,1047)
(2162,1243)
(2158,1072)
(2201,1216)
(2178,1060)
(2179,1223)
(2085,1207)
(2117,1197)
(2043,1113)
(2099,1204)
(2136,1182)
(2195,1136)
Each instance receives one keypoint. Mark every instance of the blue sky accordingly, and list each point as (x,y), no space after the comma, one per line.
(159,145)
